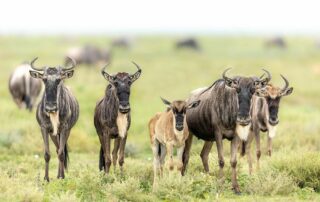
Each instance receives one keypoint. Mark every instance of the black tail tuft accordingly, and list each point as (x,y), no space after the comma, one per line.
(243,148)
(101,160)
(66,157)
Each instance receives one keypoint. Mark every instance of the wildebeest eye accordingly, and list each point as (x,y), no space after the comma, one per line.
(116,84)
(129,82)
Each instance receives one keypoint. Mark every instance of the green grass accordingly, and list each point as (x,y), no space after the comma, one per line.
(291,174)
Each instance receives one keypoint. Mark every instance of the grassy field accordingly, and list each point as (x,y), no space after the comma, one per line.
(292,173)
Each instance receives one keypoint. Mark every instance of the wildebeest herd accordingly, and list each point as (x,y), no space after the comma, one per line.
(234,108)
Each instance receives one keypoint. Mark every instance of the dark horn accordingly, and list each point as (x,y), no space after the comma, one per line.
(139,69)
(103,70)
(32,65)
(286,82)
(224,74)
(73,64)
(267,79)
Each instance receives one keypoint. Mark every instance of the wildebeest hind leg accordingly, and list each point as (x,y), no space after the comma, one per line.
(205,154)
(106,149)
(62,152)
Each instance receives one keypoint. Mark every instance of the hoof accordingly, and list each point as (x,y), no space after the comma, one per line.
(236,191)
(46,179)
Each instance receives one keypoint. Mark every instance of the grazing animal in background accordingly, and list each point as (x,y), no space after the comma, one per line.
(112,117)
(122,43)
(23,88)
(88,55)
(276,42)
(190,43)
(167,130)
(57,112)
(223,113)
(264,113)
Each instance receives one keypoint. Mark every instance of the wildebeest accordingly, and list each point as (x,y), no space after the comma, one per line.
(88,55)
(112,117)
(122,42)
(223,113)
(23,88)
(188,43)
(57,112)
(276,42)
(167,130)
(264,113)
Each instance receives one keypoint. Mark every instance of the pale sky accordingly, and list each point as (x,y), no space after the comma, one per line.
(156,17)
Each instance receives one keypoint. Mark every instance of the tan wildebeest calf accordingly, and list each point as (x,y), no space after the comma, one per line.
(167,130)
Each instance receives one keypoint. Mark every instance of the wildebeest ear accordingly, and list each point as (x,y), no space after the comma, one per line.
(135,76)
(193,104)
(231,83)
(260,84)
(287,91)
(107,76)
(166,102)
(67,74)
(35,74)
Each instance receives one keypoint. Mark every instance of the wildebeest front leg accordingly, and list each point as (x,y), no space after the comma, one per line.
(106,150)
(219,144)
(258,149)
(115,151)
(269,146)
(63,136)
(121,152)
(170,153)
(47,155)
(248,150)
(233,161)
(186,153)
(205,154)
(179,155)
(156,162)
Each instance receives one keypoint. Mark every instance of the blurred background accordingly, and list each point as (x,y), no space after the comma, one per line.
(180,46)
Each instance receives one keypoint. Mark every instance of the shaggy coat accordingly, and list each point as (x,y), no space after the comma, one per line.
(23,88)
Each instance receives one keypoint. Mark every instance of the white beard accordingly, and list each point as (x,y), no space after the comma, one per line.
(272,131)
(122,123)
(54,118)
(243,131)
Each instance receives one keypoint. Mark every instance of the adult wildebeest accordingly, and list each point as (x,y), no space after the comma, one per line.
(167,130)
(23,88)
(276,42)
(264,113)
(223,113)
(122,42)
(88,55)
(112,117)
(57,112)
(190,43)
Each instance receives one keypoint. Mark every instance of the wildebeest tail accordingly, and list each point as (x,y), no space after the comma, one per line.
(66,157)
(101,159)
(26,98)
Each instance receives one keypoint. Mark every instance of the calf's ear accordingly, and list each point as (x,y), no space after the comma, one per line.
(67,74)
(287,91)
(193,104)
(35,74)
(166,102)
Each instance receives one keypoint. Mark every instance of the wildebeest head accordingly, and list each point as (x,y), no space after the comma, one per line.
(245,88)
(273,95)
(179,109)
(52,78)
(122,82)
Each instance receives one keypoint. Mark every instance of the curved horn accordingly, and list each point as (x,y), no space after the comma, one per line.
(32,65)
(136,75)
(286,82)
(224,74)
(73,64)
(103,69)
(267,79)
(139,69)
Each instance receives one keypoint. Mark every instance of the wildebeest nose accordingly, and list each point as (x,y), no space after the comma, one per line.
(51,107)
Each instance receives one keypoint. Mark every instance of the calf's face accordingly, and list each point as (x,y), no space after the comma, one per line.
(179,109)
(273,96)
(122,83)
(52,78)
